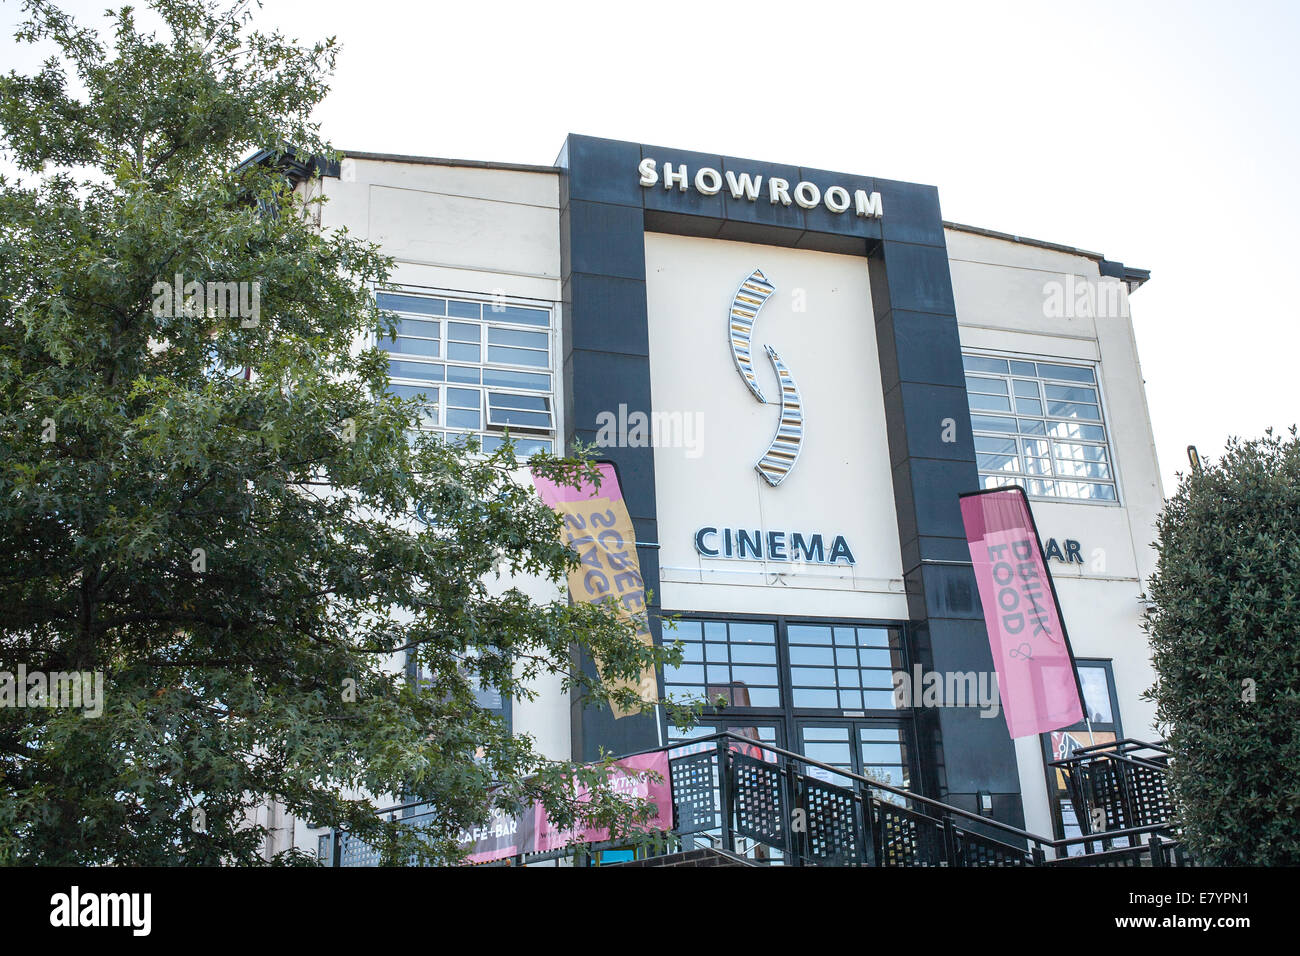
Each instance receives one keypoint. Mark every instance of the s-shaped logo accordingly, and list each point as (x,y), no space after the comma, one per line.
(783,452)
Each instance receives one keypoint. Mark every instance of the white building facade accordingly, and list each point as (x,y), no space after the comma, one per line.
(795,372)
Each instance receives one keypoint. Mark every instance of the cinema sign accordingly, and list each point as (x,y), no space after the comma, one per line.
(709,182)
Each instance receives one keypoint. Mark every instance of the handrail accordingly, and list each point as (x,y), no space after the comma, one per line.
(1067,763)
(939,805)
(908,794)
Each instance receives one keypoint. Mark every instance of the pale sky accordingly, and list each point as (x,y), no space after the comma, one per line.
(1164,135)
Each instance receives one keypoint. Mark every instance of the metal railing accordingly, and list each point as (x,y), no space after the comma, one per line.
(1114,787)
(774,806)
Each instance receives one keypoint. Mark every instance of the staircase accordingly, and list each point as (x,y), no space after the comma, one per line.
(739,802)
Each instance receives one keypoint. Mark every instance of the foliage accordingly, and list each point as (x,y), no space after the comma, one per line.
(238,554)
(1225,633)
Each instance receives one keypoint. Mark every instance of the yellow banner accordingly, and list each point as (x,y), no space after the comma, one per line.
(598,527)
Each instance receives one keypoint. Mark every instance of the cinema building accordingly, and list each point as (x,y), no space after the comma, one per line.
(796,372)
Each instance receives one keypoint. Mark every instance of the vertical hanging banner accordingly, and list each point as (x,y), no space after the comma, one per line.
(1036,675)
(597,526)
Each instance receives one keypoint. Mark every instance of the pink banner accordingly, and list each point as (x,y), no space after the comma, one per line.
(1036,676)
(657,792)
(533,832)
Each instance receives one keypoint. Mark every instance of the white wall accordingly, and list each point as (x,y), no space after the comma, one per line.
(841,483)
(999,290)
(481,232)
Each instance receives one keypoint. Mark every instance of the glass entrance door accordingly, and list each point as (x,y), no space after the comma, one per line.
(877,749)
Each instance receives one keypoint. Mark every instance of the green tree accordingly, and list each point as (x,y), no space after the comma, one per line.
(1225,634)
(238,554)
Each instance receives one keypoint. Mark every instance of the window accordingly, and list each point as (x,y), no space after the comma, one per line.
(843,667)
(824,689)
(735,660)
(477,368)
(1039,424)
(1102,726)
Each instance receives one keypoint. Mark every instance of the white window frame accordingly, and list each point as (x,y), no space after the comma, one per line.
(437,390)
(1022,477)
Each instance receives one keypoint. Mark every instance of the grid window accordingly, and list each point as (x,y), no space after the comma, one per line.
(843,668)
(1039,424)
(481,369)
(735,660)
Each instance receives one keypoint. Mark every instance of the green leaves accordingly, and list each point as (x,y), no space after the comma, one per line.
(1223,628)
(220,515)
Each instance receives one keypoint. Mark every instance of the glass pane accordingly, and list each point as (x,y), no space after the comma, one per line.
(463,332)
(504,378)
(533,403)
(458,373)
(753,653)
(1096,693)
(509,356)
(764,697)
(992,423)
(419,327)
(810,655)
(1029,406)
(1070,373)
(423,392)
(1085,490)
(517,315)
(809,634)
(428,371)
(752,632)
(1071,393)
(464,310)
(812,676)
(464,397)
(1073,410)
(997,462)
(1038,466)
(804,697)
(996,386)
(463,418)
(995,446)
(513,416)
(412,346)
(685,674)
(1077,430)
(1023,368)
(1083,469)
(754,675)
(981,363)
(462,352)
(992,403)
(391,302)
(1028,427)
(528,340)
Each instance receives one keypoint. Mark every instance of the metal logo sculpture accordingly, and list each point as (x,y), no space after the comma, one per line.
(783,452)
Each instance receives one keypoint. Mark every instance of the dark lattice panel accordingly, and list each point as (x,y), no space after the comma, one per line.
(907,838)
(1149,795)
(695,792)
(975,850)
(354,852)
(1103,789)
(834,834)
(759,802)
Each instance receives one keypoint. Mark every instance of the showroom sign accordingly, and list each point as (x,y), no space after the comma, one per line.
(807,195)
